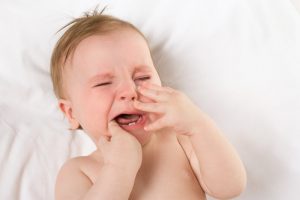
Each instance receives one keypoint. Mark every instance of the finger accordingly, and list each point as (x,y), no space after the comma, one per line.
(154,94)
(169,89)
(157,87)
(149,107)
(156,125)
(114,128)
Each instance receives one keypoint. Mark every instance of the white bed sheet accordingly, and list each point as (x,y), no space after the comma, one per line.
(237,59)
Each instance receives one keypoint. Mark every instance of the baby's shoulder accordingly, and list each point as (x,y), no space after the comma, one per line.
(86,165)
(77,174)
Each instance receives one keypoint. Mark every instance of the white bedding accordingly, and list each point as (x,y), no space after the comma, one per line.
(239,60)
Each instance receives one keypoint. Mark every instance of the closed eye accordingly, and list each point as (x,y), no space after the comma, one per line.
(139,79)
(143,78)
(102,84)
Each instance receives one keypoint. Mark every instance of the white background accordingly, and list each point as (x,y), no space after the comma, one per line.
(238,60)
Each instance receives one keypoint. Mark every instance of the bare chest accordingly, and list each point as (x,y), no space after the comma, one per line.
(167,175)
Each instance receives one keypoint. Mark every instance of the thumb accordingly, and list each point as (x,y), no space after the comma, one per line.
(114,128)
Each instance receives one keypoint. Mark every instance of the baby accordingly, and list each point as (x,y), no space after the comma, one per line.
(152,141)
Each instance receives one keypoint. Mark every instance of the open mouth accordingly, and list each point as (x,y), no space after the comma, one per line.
(128,119)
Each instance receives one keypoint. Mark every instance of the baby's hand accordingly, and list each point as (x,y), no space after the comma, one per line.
(123,151)
(171,108)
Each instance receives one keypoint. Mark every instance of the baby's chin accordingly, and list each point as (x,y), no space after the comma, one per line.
(141,135)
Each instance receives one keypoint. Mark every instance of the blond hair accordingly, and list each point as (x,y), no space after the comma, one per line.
(91,23)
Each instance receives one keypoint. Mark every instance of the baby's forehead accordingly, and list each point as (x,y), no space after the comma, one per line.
(113,48)
(116,37)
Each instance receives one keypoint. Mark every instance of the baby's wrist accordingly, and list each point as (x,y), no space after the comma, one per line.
(199,123)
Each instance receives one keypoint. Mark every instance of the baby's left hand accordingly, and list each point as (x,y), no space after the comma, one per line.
(171,108)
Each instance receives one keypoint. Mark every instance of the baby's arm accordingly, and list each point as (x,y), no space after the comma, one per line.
(222,174)
(111,183)
(116,175)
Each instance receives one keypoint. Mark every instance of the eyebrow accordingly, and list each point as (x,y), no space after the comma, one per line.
(140,68)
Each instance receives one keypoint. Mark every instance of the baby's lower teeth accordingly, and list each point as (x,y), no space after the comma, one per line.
(132,123)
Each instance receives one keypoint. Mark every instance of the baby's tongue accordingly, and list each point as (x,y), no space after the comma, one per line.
(127,118)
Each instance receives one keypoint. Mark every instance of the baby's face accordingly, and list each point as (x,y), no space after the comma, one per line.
(101,81)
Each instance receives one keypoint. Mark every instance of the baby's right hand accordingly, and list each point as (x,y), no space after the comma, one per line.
(123,151)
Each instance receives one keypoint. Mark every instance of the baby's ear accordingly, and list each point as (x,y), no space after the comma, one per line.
(66,107)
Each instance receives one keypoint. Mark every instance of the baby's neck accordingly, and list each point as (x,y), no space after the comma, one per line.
(157,139)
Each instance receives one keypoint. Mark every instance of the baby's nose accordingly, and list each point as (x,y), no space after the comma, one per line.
(128,92)
(132,98)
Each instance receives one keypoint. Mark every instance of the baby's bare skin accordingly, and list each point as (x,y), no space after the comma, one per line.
(161,154)
(165,172)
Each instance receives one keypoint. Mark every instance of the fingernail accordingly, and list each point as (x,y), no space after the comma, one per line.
(112,123)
